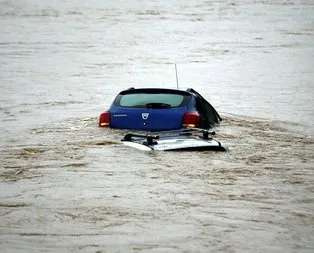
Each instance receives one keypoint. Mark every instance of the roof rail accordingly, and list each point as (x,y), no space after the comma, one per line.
(150,138)
(206,134)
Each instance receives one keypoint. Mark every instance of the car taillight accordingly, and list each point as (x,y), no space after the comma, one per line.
(104,119)
(191,120)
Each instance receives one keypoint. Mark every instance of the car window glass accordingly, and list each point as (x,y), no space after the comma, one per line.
(142,99)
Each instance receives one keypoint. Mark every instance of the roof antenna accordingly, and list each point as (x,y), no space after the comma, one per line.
(175,65)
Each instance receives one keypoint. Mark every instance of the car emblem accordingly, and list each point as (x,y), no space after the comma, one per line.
(145,115)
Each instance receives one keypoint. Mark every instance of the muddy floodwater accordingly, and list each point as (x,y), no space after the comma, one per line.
(67,185)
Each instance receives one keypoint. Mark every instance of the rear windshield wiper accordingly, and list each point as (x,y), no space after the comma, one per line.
(158,105)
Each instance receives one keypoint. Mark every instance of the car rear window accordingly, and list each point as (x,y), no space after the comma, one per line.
(145,99)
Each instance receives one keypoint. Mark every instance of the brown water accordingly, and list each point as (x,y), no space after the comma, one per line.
(69,186)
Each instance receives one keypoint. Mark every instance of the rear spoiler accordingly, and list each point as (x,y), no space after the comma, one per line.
(133,90)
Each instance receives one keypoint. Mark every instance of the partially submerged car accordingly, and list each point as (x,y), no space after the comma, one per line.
(157,109)
(184,139)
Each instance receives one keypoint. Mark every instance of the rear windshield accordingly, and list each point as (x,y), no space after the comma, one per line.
(152,100)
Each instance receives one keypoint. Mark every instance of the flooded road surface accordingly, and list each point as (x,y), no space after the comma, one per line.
(69,186)
(84,191)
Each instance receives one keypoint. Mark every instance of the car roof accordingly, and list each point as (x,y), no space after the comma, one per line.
(154,90)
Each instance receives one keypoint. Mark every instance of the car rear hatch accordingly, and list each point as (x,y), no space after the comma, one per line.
(149,109)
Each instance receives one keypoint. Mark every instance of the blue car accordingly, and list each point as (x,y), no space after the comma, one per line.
(157,109)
